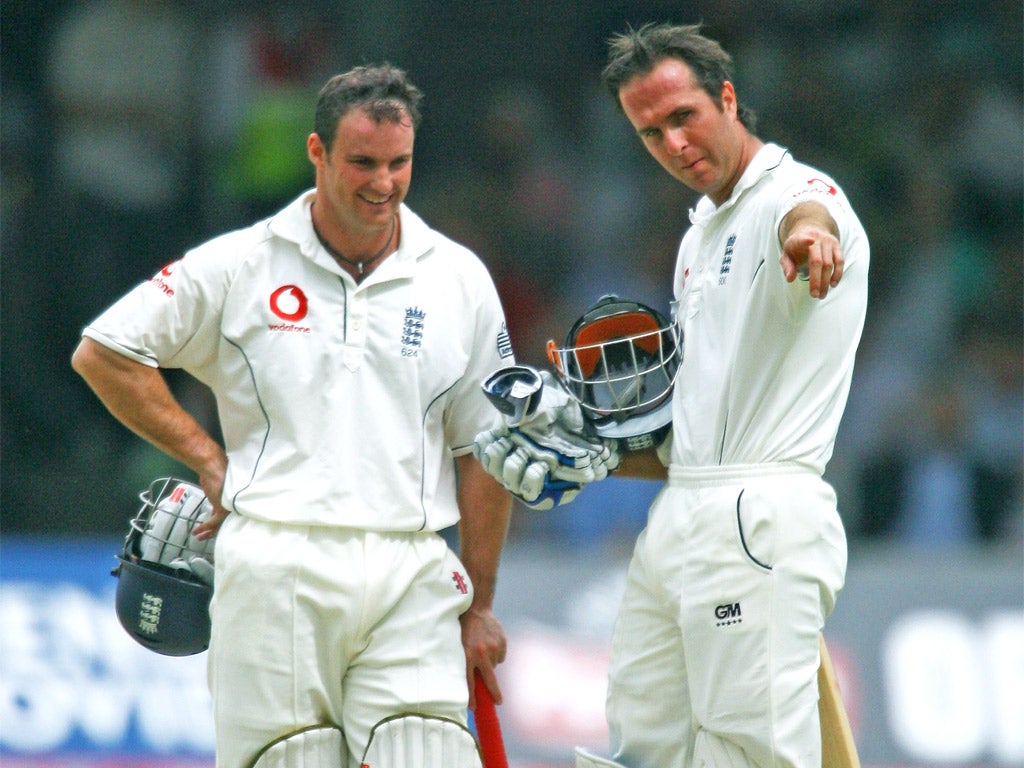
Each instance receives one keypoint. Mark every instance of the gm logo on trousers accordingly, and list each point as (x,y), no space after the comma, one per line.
(728,613)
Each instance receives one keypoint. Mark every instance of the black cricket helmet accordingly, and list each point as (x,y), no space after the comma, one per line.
(164,575)
(620,361)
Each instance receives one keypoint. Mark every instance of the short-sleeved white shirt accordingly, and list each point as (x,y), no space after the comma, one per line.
(766,368)
(340,404)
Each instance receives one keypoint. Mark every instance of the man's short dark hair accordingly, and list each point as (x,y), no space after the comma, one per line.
(382,90)
(637,52)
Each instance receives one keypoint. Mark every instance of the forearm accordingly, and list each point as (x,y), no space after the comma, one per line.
(809,237)
(808,214)
(485,509)
(138,397)
(644,465)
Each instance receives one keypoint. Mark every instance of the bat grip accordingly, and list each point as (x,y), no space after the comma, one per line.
(488,728)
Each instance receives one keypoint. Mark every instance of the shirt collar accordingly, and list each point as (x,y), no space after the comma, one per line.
(768,157)
(295,224)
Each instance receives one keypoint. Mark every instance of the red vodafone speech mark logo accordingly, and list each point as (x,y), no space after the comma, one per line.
(823,184)
(289,303)
(158,278)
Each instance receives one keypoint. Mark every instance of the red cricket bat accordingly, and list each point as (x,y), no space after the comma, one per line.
(488,728)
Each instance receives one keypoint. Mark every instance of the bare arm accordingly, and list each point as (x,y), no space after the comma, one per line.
(485,508)
(810,240)
(642,464)
(138,397)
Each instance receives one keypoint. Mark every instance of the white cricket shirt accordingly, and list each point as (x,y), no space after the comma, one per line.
(766,368)
(340,404)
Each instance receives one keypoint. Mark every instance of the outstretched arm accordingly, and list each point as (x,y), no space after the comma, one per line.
(138,397)
(485,508)
(810,241)
(645,465)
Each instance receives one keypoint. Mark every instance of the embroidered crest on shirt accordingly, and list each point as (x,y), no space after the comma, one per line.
(723,273)
(504,342)
(412,331)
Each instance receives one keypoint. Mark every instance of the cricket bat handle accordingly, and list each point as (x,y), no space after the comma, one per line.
(488,727)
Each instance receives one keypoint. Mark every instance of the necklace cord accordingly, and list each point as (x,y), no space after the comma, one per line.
(359,265)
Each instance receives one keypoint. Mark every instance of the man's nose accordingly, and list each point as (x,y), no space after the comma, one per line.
(675,141)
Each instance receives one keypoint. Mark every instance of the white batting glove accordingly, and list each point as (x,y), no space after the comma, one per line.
(524,469)
(556,426)
(198,566)
(167,537)
(543,453)
(568,457)
(533,403)
(541,476)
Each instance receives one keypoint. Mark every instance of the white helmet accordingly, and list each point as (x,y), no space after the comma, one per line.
(619,363)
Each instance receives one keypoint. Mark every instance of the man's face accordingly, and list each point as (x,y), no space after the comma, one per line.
(366,175)
(693,137)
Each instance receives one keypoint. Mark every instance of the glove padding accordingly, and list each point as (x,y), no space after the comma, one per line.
(547,457)
(543,478)
(167,536)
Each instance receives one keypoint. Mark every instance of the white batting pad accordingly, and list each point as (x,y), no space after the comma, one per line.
(586,760)
(321,746)
(424,742)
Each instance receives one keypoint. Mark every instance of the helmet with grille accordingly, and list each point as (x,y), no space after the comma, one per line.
(620,361)
(164,575)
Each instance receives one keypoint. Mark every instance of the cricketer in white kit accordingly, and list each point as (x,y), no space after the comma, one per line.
(320,383)
(744,551)
(715,650)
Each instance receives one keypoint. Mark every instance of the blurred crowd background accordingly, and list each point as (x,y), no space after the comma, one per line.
(135,129)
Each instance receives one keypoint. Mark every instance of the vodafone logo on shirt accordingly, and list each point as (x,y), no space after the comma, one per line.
(822,186)
(158,279)
(291,305)
(820,189)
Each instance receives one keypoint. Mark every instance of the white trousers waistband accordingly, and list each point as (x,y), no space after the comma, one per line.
(688,477)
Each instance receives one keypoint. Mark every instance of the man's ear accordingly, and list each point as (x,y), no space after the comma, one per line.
(315,149)
(727,99)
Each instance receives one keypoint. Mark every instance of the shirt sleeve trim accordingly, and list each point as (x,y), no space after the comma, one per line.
(110,344)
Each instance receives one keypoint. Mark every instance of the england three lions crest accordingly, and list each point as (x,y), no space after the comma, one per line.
(412,331)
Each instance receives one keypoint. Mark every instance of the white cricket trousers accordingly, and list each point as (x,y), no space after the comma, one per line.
(714,655)
(330,625)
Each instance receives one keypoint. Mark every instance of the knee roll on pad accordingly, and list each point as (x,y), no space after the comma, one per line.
(319,746)
(586,760)
(421,741)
